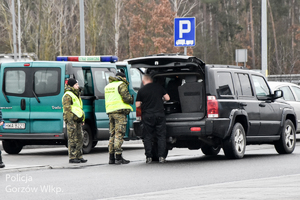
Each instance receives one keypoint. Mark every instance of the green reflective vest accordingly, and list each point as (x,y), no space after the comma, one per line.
(113,100)
(77,106)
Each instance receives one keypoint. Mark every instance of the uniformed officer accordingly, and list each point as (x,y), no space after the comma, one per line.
(117,100)
(74,118)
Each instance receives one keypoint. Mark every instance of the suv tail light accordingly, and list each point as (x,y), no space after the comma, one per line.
(212,107)
(138,113)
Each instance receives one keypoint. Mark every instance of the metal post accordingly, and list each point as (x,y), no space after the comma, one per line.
(19,27)
(14,29)
(264,39)
(185,51)
(82,36)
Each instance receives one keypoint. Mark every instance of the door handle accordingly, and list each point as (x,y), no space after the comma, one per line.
(23,104)
(262,105)
(242,104)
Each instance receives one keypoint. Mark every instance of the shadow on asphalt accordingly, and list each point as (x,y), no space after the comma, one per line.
(204,158)
(55,151)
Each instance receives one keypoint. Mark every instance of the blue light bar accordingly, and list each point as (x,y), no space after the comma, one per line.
(61,58)
(109,58)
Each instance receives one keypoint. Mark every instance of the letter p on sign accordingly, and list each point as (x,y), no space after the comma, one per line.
(182,29)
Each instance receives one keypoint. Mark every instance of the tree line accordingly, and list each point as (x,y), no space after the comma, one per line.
(133,28)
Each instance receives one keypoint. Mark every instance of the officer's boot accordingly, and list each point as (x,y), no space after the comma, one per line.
(121,160)
(111,158)
(1,163)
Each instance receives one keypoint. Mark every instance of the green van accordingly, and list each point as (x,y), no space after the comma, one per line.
(32,107)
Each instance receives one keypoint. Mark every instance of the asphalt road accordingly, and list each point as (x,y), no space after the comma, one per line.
(44,173)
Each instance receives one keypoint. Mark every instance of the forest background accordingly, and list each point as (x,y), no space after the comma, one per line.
(133,28)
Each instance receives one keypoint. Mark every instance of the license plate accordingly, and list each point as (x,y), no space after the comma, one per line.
(14,126)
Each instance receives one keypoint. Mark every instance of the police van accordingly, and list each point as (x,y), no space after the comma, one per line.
(31,100)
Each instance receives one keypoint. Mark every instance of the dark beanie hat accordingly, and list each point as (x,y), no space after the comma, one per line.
(72,82)
(121,74)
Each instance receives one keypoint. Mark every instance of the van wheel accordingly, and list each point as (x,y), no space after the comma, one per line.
(235,146)
(210,150)
(155,151)
(87,139)
(11,146)
(287,142)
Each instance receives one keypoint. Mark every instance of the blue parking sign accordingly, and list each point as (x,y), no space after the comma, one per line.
(184,32)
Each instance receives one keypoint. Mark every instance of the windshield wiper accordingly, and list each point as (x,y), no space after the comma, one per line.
(36,96)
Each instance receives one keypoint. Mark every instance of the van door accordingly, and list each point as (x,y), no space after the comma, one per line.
(100,79)
(15,98)
(134,78)
(46,105)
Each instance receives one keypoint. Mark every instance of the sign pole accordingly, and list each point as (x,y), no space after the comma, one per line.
(185,51)
(82,36)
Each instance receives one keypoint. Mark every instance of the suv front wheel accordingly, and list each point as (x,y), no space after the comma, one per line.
(287,142)
(235,146)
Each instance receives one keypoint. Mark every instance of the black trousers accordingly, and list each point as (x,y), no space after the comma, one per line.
(154,127)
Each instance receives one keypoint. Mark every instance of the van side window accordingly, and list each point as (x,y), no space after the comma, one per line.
(84,78)
(245,85)
(101,79)
(47,82)
(15,81)
(136,79)
(225,85)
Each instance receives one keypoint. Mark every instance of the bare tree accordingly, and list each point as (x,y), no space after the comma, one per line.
(118,7)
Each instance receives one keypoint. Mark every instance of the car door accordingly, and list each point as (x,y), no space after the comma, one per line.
(46,103)
(270,113)
(100,79)
(248,101)
(134,78)
(15,97)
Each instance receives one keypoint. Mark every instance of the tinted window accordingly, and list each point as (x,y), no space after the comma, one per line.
(47,82)
(261,87)
(297,92)
(245,85)
(15,82)
(287,93)
(84,78)
(225,85)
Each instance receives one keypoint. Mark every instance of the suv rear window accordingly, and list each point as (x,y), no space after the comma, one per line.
(225,84)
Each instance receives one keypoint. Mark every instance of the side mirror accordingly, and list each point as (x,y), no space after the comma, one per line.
(278,94)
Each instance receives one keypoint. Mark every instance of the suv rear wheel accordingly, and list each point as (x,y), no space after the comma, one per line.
(287,142)
(235,145)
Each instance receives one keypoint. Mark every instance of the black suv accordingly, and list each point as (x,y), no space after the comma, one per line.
(218,106)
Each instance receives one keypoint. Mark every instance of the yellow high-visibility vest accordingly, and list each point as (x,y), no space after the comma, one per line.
(77,106)
(113,100)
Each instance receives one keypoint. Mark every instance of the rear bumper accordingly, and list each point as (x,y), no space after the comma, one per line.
(217,127)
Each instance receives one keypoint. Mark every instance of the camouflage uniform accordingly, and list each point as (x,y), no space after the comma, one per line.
(74,126)
(118,119)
